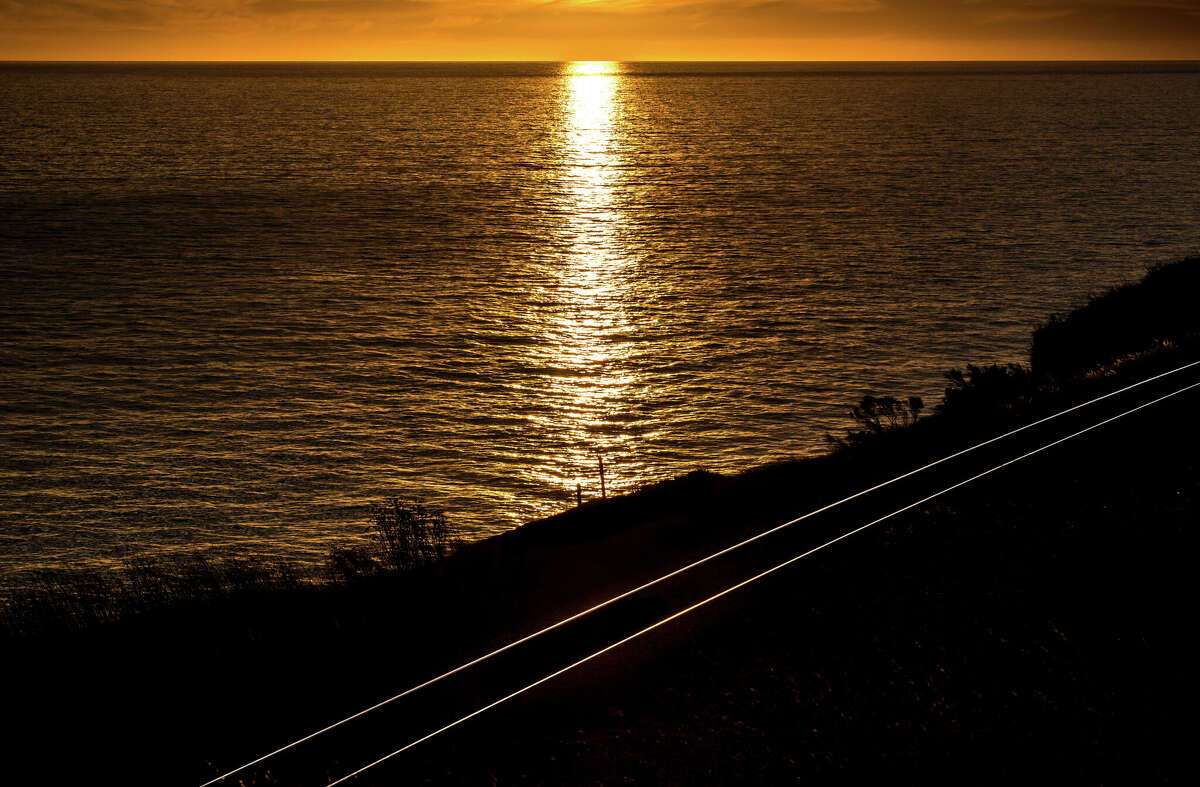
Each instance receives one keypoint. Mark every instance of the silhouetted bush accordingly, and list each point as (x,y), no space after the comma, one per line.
(404,535)
(987,390)
(408,535)
(351,564)
(878,414)
(78,599)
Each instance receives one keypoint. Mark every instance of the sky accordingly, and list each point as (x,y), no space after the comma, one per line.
(598,29)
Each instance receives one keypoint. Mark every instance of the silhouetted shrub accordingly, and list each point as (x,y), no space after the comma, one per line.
(987,390)
(77,599)
(405,535)
(351,564)
(878,414)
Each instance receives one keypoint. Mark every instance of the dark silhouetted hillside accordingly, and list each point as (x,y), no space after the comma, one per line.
(1124,320)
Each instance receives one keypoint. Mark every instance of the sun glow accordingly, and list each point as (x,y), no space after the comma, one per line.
(588,333)
(585,68)
(590,157)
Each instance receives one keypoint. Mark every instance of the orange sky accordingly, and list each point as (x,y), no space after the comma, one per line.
(598,29)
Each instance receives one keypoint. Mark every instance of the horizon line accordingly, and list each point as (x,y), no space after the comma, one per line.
(9,61)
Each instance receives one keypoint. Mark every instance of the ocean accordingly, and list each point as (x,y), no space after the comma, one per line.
(241,302)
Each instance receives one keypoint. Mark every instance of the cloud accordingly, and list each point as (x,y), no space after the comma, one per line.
(134,12)
(404,29)
(344,6)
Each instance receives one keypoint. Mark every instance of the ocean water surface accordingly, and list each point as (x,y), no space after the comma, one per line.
(241,302)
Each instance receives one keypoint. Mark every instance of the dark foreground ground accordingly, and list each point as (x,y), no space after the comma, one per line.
(1036,626)
(1033,624)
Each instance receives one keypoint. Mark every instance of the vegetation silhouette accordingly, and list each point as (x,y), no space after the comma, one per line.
(878,413)
(404,536)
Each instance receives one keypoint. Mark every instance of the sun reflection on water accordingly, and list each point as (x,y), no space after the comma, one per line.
(588,329)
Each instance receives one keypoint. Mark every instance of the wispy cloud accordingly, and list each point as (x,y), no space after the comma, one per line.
(296,27)
(343,6)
